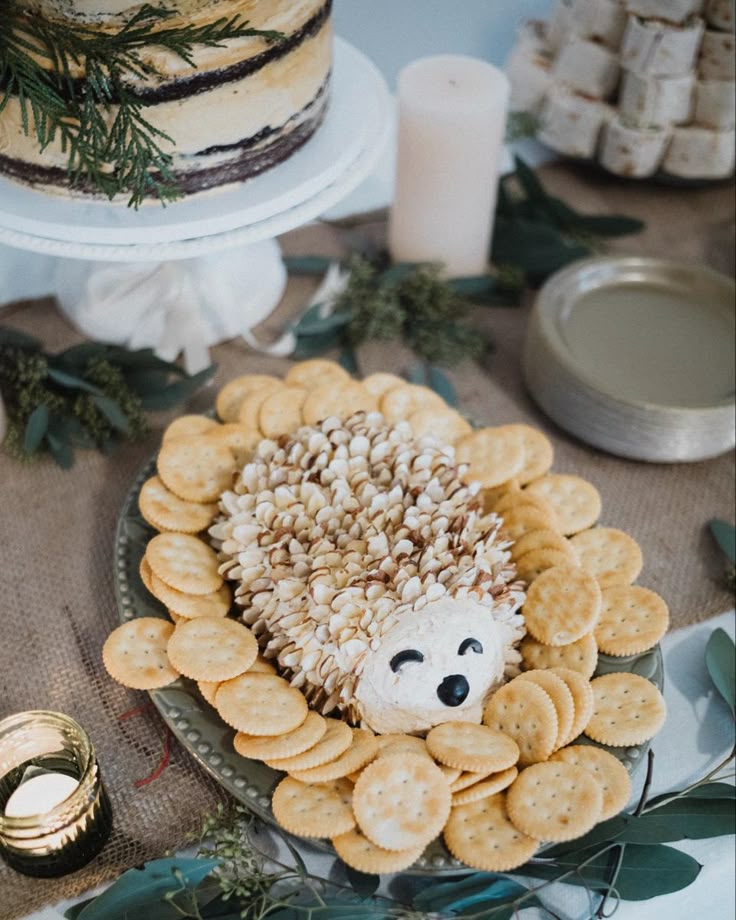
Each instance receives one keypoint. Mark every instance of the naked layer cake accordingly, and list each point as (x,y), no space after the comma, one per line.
(233,112)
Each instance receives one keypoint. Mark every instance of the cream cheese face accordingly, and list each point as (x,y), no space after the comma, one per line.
(435,666)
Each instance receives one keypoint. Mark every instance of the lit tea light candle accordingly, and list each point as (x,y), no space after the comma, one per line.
(40,794)
(55,815)
(452,117)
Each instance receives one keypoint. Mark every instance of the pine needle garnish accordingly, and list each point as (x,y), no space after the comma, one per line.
(100,120)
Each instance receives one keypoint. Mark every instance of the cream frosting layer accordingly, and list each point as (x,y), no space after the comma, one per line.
(211,124)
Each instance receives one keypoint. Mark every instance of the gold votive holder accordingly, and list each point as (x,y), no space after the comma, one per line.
(67,835)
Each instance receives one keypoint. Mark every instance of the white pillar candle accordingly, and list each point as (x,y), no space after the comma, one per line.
(452,117)
(40,794)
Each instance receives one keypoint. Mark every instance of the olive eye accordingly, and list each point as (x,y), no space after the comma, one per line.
(470,644)
(401,658)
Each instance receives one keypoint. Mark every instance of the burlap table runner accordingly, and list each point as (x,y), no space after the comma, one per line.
(56,532)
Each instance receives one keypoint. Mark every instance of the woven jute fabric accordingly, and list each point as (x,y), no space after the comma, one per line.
(56,532)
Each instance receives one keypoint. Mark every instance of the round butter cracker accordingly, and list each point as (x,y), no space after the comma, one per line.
(545,538)
(135,655)
(317,810)
(212,648)
(472,747)
(184,562)
(633,619)
(575,502)
(260,704)
(231,396)
(341,401)
(581,655)
(554,801)
(191,606)
(494,455)
(444,425)
(611,774)
(610,555)
(357,851)
(281,411)
(316,373)
(495,782)
(363,749)
(380,383)
(562,605)
(627,710)
(165,511)
(401,802)
(555,687)
(524,711)
(481,835)
(264,747)
(197,469)
(582,698)
(337,738)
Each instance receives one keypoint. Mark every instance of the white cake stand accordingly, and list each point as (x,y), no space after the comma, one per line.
(208,268)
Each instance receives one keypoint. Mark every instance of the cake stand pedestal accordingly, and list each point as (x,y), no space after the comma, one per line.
(208,268)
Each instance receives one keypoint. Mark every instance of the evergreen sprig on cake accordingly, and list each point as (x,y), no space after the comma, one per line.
(74,82)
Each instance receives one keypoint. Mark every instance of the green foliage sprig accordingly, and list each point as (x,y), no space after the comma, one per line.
(725,536)
(624,858)
(89,396)
(100,121)
(537,233)
(407,303)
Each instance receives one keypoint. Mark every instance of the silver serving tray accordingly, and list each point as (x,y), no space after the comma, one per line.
(209,740)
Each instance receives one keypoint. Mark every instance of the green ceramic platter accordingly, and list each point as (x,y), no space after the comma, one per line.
(210,741)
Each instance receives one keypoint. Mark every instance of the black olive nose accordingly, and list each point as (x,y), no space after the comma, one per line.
(453,690)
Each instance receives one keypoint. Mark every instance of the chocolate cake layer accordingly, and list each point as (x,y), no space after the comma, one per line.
(254,156)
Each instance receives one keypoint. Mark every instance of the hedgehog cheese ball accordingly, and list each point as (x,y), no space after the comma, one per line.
(366,568)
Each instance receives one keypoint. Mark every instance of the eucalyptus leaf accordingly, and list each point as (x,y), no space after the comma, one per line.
(17,339)
(309,346)
(110,408)
(363,884)
(605,832)
(349,360)
(178,391)
(140,890)
(646,871)
(606,225)
(307,265)
(536,247)
(147,381)
(713,791)
(442,385)
(321,324)
(528,180)
(454,896)
(70,381)
(484,289)
(311,313)
(61,450)
(36,427)
(144,358)
(720,659)
(418,374)
(725,536)
(680,819)
(398,272)
(78,356)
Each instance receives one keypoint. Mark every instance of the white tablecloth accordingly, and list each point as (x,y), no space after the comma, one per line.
(698,734)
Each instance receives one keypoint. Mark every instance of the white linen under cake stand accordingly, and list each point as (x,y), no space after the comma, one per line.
(116,279)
